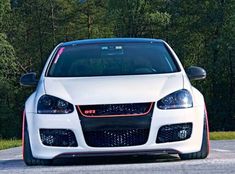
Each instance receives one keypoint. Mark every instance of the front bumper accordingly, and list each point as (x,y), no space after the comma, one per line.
(159,118)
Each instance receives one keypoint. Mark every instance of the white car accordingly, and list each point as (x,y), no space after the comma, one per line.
(118,96)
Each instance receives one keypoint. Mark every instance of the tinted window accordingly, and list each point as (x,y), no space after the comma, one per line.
(112,59)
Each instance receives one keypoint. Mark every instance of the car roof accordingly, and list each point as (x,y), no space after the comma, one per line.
(111,40)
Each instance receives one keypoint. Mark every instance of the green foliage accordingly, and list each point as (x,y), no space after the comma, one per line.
(4,10)
(8,78)
(137,18)
(92,18)
(201,32)
(222,135)
(8,66)
(9,72)
(5,144)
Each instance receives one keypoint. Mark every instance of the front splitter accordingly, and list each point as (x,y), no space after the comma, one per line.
(116,153)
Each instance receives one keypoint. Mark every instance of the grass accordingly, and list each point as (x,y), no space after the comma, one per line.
(5,144)
(222,135)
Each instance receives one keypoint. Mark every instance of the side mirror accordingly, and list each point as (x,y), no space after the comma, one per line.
(28,79)
(196,73)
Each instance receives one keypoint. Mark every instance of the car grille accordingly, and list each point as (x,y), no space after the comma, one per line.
(116,138)
(115,109)
(174,132)
(58,137)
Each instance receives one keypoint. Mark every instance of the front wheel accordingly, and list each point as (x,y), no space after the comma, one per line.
(27,153)
(203,153)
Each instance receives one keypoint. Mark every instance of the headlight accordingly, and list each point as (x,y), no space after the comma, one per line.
(176,100)
(52,105)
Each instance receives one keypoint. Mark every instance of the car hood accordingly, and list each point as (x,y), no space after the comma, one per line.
(113,89)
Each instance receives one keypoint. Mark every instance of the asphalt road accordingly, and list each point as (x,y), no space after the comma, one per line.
(220,161)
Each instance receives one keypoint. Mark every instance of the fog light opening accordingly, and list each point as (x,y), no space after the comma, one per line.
(174,132)
(58,137)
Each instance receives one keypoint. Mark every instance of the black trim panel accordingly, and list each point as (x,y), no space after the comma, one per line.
(114,123)
(116,131)
(117,153)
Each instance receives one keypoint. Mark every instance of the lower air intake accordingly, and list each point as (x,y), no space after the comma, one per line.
(116,138)
(58,137)
(174,132)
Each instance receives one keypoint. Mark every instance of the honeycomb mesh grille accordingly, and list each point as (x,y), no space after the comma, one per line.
(174,132)
(116,138)
(115,109)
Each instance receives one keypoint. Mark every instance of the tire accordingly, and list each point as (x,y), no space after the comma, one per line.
(27,153)
(203,153)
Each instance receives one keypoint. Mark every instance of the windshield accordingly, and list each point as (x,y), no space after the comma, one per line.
(112,59)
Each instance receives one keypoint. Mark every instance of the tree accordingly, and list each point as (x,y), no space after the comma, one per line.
(8,73)
(93,19)
(137,18)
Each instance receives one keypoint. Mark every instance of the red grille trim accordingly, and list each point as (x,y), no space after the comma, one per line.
(118,115)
